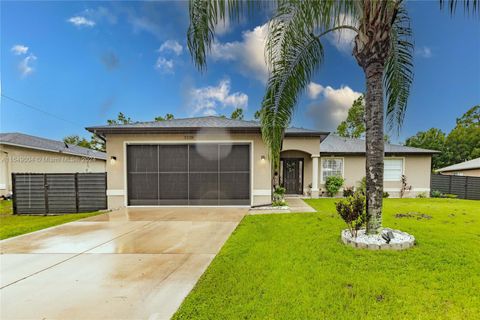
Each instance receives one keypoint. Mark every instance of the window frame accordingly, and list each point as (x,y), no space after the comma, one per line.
(403,168)
(322,159)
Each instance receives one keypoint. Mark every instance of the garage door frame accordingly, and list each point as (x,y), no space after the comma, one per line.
(164,142)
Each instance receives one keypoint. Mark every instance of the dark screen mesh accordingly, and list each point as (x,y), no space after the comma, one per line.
(204,157)
(143,188)
(142,158)
(234,158)
(189,174)
(173,158)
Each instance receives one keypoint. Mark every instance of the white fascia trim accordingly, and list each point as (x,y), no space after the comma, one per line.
(115,192)
(261,192)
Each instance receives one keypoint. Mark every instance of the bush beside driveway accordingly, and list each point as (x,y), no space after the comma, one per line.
(14,225)
(294,266)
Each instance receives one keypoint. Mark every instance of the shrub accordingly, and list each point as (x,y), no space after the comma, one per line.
(362,186)
(386,194)
(333,185)
(348,192)
(352,211)
(422,195)
(405,187)
(436,194)
(279,196)
(449,196)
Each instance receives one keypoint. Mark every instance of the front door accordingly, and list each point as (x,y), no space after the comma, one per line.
(292,175)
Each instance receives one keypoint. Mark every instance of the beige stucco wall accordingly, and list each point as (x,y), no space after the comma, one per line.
(470,173)
(116,185)
(24,160)
(416,169)
(310,145)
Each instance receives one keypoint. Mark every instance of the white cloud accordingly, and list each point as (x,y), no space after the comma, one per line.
(164,65)
(25,66)
(343,39)
(81,21)
(171,45)
(208,100)
(314,89)
(424,52)
(332,108)
(249,52)
(19,49)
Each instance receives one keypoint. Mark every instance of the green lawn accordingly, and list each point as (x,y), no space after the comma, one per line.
(293,266)
(14,225)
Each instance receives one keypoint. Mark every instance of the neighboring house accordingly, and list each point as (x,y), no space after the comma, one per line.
(468,168)
(346,157)
(22,153)
(214,161)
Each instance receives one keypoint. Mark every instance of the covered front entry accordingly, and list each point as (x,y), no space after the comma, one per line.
(292,175)
(210,174)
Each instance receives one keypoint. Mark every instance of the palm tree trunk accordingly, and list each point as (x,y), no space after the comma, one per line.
(374,145)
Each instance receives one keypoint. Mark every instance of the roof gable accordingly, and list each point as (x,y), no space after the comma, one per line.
(187,125)
(334,144)
(34,142)
(467,165)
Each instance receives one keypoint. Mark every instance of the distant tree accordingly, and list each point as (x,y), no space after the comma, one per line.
(471,117)
(76,140)
(95,142)
(386,138)
(237,114)
(463,142)
(168,116)
(121,119)
(257,115)
(433,139)
(354,125)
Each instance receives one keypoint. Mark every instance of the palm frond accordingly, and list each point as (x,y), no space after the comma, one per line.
(291,72)
(309,16)
(205,15)
(469,6)
(398,73)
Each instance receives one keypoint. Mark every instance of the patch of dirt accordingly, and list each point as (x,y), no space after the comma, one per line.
(379,298)
(415,215)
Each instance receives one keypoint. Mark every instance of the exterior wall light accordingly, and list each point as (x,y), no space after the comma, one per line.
(262,158)
(113,159)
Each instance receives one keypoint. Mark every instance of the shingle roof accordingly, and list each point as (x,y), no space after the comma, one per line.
(193,124)
(28,141)
(338,145)
(467,165)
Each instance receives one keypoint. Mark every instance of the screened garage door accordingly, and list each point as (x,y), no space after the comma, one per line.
(188,174)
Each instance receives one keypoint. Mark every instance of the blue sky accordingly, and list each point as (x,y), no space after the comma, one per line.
(83,62)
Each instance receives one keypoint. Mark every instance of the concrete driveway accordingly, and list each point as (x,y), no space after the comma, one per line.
(128,264)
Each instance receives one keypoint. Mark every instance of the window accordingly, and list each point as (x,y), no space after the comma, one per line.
(332,167)
(393,169)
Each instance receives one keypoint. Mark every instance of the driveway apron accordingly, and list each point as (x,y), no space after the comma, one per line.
(135,263)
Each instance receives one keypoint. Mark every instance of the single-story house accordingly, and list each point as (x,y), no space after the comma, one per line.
(214,161)
(346,157)
(468,168)
(22,153)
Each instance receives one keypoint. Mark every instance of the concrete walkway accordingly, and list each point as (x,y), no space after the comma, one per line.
(295,204)
(128,264)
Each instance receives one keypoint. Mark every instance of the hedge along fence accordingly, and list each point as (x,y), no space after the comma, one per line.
(55,193)
(464,187)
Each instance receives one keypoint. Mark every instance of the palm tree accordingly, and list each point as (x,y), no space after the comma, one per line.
(383,48)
